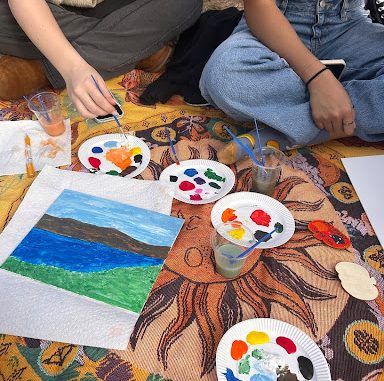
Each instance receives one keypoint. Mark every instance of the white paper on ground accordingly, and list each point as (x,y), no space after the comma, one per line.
(32,309)
(367,177)
(12,146)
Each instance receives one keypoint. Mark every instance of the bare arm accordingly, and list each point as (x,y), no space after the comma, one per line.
(330,103)
(37,21)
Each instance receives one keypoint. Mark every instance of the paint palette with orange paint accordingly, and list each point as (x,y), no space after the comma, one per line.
(258,212)
(268,350)
(112,154)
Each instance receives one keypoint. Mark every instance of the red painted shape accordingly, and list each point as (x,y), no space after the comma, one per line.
(195,197)
(186,186)
(287,344)
(259,217)
(238,349)
(94,162)
(327,233)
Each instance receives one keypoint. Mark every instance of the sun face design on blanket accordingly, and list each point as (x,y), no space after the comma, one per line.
(205,300)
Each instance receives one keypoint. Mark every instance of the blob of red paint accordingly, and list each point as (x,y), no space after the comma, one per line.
(195,197)
(259,217)
(94,162)
(186,186)
(238,349)
(287,344)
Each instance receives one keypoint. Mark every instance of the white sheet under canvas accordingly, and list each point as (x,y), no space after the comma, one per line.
(33,309)
(367,177)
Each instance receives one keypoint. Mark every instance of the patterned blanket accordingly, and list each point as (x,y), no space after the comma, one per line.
(191,306)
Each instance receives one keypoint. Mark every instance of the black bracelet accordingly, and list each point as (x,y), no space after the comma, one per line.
(316,75)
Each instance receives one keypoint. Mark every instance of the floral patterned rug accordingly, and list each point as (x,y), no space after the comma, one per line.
(191,306)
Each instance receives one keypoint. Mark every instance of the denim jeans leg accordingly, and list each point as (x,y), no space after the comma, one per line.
(247,80)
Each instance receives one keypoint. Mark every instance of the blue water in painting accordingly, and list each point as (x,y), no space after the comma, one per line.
(42,247)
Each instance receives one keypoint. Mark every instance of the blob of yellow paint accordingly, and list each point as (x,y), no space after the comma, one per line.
(237,233)
(255,337)
(135,151)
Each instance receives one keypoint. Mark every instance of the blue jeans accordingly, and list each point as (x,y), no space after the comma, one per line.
(247,80)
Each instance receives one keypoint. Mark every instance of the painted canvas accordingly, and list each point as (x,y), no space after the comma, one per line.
(102,249)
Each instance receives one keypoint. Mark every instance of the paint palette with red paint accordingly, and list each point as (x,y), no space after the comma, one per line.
(112,154)
(268,350)
(198,181)
(257,212)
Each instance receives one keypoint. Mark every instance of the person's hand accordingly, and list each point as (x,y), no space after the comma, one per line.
(331,106)
(85,95)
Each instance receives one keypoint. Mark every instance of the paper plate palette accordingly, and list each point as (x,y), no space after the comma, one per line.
(269,349)
(199,181)
(110,154)
(257,212)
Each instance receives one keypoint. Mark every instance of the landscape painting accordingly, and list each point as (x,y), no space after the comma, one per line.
(98,248)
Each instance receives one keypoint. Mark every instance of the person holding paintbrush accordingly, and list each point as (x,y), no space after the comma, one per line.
(66,42)
(271,69)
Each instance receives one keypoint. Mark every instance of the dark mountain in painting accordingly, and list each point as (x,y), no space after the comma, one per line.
(92,233)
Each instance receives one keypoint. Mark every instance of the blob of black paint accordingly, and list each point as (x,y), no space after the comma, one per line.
(214,185)
(138,158)
(288,377)
(337,239)
(199,181)
(306,367)
(259,234)
(173,178)
(127,171)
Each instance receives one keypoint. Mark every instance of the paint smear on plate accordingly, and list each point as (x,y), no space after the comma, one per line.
(195,197)
(259,217)
(287,344)
(199,181)
(97,150)
(173,178)
(212,175)
(305,367)
(228,215)
(186,186)
(214,185)
(255,337)
(238,349)
(259,234)
(244,365)
(190,172)
(121,157)
(95,163)
(110,144)
(237,233)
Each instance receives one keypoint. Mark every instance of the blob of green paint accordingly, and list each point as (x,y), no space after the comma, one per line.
(214,185)
(257,354)
(244,366)
(211,174)
(113,173)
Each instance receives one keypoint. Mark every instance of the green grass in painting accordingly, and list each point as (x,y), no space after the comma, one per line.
(127,288)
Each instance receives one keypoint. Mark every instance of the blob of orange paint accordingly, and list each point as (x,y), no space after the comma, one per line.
(228,215)
(238,349)
(121,157)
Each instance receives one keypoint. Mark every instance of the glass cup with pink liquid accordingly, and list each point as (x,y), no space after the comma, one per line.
(46,106)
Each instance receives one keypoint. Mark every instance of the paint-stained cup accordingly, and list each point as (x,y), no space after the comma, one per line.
(46,107)
(228,241)
(266,176)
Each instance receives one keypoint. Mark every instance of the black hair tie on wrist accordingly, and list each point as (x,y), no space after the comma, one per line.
(316,75)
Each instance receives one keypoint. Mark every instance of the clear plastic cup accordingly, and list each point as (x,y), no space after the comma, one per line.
(46,107)
(229,241)
(265,177)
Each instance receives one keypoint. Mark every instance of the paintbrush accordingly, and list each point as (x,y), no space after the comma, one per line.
(28,157)
(114,116)
(172,146)
(259,143)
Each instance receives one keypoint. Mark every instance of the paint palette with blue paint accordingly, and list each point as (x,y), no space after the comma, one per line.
(199,181)
(269,350)
(112,154)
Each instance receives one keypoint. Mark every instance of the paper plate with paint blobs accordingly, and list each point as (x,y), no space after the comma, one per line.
(112,154)
(269,350)
(198,181)
(259,213)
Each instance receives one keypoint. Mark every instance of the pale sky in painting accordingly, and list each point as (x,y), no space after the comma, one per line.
(144,225)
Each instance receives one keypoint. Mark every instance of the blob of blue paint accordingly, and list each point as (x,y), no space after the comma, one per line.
(230,376)
(190,172)
(199,180)
(97,150)
(110,144)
